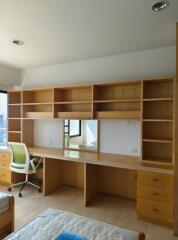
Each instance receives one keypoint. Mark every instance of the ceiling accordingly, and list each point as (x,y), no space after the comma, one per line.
(60,31)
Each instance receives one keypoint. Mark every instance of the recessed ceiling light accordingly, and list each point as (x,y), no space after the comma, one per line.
(159,6)
(17,42)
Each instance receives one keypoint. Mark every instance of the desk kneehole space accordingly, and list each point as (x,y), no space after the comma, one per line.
(91,178)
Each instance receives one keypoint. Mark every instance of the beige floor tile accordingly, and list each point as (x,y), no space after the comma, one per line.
(106,208)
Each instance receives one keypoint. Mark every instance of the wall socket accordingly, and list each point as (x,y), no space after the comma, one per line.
(133,150)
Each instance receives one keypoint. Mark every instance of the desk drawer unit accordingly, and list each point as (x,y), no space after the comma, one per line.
(155,197)
(5,173)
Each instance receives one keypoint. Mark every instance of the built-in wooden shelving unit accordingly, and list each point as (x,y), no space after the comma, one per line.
(151,101)
(158,121)
(14,116)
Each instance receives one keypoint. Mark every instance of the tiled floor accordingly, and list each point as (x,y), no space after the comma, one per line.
(106,208)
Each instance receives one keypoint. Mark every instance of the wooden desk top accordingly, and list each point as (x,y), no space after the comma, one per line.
(101,159)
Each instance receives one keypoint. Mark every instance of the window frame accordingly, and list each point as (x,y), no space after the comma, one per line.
(6,129)
(68,126)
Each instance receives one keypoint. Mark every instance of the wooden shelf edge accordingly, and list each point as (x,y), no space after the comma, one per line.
(118,114)
(157,140)
(157,120)
(163,161)
(157,99)
(76,115)
(117,101)
(38,115)
(14,131)
(42,103)
(73,102)
(14,118)
(14,104)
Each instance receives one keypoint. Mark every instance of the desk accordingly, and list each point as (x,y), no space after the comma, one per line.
(94,171)
(115,174)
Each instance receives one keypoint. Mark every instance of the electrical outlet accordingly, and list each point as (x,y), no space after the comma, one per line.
(50,143)
(133,150)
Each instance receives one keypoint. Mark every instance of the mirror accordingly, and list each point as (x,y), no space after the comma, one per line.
(81,135)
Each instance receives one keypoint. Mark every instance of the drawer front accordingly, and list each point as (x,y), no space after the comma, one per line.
(154,210)
(157,194)
(157,180)
(4,164)
(5,176)
(5,156)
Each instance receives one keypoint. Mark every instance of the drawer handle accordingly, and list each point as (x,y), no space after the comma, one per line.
(155,180)
(155,194)
(155,210)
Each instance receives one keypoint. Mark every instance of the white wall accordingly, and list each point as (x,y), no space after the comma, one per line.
(116,136)
(120,137)
(136,65)
(9,77)
(48,133)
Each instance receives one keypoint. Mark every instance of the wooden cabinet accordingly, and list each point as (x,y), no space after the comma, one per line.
(155,197)
(5,173)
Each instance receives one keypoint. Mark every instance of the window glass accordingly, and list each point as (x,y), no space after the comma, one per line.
(74,128)
(3,118)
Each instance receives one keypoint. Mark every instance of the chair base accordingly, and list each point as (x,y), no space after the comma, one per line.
(23,184)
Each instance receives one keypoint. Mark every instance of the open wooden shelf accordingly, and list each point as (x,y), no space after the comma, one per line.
(14,125)
(14,136)
(14,97)
(157,130)
(157,122)
(158,110)
(117,115)
(73,94)
(68,111)
(14,111)
(157,150)
(162,88)
(117,91)
(40,96)
(38,111)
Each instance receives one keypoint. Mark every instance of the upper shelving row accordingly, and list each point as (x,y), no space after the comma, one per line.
(120,100)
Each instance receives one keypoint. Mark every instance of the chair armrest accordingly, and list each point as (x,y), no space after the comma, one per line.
(39,160)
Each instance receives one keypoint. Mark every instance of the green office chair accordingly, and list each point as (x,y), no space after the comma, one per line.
(21,163)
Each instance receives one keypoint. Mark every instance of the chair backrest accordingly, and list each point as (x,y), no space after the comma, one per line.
(20,155)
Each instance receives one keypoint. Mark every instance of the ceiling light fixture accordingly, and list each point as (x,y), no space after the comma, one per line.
(159,6)
(17,42)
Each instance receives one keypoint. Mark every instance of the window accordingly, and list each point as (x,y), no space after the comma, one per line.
(3,118)
(72,128)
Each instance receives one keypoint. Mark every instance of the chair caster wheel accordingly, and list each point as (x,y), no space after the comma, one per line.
(20,195)
(9,189)
(39,190)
